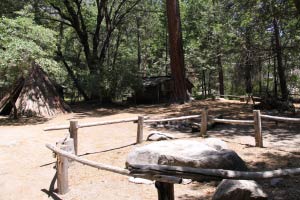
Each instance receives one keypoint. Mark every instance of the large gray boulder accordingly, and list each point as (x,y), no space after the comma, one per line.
(187,153)
(239,190)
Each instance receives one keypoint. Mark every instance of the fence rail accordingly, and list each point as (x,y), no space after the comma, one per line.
(231,121)
(173,119)
(84,125)
(281,119)
(165,176)
(162,174)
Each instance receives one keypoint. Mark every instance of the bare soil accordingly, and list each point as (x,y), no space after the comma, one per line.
(27,166)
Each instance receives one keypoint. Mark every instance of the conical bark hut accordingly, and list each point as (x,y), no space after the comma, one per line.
(35,95)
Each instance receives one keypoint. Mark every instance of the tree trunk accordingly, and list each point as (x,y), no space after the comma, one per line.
(260,74)
(221,75)
(176,52)
(95,85)
(209,82)
(248,64)
(280,67)
(138,19)
(69,70)
(204,82)
(275,79)
(268,76)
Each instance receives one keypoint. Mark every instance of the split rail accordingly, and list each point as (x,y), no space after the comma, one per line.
(164,176)
(204,120)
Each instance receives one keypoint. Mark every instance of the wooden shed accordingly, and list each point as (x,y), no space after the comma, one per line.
(157,89)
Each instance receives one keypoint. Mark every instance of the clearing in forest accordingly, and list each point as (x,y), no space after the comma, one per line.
(26,165)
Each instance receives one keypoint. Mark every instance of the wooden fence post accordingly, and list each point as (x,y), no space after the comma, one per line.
(165,190)
(74,134)
(62,172)
(139,137)
(257,128)
(203,123)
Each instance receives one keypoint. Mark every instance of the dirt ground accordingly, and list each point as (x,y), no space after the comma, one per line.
(27,166)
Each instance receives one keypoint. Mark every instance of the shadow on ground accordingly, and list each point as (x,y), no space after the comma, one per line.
(6,121)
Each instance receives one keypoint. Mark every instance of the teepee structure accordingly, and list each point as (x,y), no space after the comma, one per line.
(34,95)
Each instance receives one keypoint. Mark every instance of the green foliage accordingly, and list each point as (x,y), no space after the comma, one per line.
(23,42)
(239,35)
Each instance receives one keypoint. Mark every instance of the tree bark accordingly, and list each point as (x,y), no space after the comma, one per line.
(221,75)
(260,74)
(176,52)
(138,24)
(280,67)
(275,79)
(248,64)
(69,70)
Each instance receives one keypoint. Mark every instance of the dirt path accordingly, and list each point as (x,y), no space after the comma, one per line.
(26,166)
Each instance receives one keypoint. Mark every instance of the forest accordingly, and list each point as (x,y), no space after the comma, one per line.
(150,99)
(101,50)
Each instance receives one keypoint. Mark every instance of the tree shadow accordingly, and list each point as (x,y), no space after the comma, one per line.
(287,187)
(96,152)
(107,150)
(6,121)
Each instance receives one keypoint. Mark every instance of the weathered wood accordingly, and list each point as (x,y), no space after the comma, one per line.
(204,121)
(55,128)
(233,96)
(62,127)
(181,172)
(74,134)
(257,128)
(231,121)
(172,119)
(68,143)
(107,122)
(168,179)
(139,137)
(242,98)
(88,162)
(281,119)
(165,190)
(204,174)
(62,172)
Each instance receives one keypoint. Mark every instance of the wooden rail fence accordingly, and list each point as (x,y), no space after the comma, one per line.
(141,120)
(164,176)
(74,126)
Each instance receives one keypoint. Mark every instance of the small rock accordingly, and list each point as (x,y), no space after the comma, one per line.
(239,190)
(157,136)
(140,181)
(186,181)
